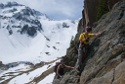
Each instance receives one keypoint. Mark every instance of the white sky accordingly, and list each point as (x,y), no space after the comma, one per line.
(55,9)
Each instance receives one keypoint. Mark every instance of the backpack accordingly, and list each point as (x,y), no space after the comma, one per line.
(55,67)
(79,41)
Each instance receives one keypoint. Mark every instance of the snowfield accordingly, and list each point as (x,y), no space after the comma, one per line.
(49,43)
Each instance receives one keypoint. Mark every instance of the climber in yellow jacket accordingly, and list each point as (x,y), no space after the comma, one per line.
(84,45)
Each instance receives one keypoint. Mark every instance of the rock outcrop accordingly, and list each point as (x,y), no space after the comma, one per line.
(89,13)
(1,64)
(111,3)
(90,10)
(105,64)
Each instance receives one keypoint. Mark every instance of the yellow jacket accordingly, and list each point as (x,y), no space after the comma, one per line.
(84,36)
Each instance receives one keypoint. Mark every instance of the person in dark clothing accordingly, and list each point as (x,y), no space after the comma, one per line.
(60,69)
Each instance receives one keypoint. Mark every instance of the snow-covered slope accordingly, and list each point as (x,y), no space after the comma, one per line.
(27,35)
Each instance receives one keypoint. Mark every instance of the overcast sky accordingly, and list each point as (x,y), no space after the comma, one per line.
(55,9)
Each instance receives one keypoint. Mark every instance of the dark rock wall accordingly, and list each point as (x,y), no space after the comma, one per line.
(89,12)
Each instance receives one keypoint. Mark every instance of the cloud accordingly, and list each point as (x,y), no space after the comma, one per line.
(55,9)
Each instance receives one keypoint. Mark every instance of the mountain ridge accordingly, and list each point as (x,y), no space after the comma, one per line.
(29,41)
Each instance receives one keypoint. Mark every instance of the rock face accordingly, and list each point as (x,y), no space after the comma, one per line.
(1,64)
(105,64)
(90,10)
(111,3)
